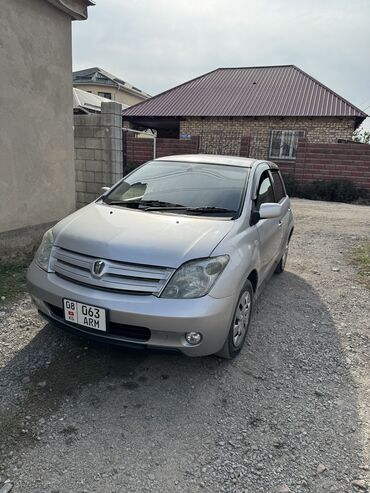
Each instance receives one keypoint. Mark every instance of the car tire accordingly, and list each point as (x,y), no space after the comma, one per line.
(282,263)
(240,323)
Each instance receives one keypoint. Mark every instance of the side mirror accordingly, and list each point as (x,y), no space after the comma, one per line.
(104,190)
(270,211)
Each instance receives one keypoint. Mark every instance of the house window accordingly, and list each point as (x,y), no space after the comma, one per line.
(106,95)
(283,144)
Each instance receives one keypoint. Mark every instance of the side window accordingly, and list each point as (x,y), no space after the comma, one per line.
(106,95)
(265,193)
(278,185)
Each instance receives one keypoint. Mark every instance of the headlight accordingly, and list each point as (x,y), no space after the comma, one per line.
(42,256)
(196,278)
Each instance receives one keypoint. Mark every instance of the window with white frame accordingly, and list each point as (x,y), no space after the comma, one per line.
(283,143)
(106,95)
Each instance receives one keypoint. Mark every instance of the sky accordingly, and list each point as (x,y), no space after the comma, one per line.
(157,44)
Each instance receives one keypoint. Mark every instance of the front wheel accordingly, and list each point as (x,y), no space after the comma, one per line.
(240,324)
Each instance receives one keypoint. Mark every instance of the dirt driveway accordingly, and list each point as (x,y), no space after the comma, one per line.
(292,413)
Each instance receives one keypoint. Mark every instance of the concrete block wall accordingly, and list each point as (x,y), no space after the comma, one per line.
(98,151)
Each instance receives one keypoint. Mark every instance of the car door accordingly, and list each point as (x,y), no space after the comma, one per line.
(282,198)
(269,230)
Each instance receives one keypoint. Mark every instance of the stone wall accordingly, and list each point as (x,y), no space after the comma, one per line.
(223,135)
(98,151)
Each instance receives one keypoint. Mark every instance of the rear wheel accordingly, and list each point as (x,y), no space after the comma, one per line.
(240,324)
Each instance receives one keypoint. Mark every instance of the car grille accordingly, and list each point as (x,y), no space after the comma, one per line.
(115,276)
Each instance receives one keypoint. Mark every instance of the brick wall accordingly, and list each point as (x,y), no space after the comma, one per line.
(330,161)
(314,161)
(223,135)
(245,146)
(139,150)
(98,151)
(99,148)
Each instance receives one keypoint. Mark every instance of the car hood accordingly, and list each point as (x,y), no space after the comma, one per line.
(150,238)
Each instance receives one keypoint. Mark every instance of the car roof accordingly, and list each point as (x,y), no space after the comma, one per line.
(212,159)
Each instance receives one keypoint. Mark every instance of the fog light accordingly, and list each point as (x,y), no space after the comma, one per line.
(193,338)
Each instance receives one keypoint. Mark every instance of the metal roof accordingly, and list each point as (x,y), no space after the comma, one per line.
(100,77)
(90,102)
(283,90)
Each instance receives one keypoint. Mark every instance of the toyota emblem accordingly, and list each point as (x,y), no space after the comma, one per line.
(98,267)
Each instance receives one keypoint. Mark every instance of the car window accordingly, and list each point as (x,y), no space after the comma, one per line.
(278,185)
(186,184)
(265,193)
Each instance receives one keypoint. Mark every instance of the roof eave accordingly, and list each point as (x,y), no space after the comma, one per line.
(94,83)
(110,84)
(76,9)
(143,95)
(359,120)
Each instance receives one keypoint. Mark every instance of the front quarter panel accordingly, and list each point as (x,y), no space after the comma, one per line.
(242,247)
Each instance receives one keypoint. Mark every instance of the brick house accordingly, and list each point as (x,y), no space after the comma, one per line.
(257,111)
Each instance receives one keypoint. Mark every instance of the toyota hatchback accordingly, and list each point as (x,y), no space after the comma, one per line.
(171,257)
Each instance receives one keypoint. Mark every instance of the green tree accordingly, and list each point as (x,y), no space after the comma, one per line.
(361,135)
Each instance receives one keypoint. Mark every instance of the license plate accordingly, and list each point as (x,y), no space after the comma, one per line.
(86,315)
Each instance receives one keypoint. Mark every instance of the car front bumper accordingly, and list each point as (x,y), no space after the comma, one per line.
(165,321)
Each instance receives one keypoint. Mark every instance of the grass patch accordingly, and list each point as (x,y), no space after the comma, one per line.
(13,278)
(361,259)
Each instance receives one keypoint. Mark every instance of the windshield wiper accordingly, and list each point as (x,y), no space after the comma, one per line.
(200,210)
(145,203)
(159,205)
(210,209)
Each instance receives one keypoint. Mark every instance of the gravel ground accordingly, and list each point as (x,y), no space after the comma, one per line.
(291,413)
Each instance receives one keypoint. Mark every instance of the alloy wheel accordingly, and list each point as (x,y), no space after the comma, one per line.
(241,318)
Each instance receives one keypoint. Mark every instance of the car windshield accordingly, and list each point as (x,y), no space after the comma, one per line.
(182,186)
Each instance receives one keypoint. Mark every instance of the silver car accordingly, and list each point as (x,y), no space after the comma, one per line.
(172,257)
